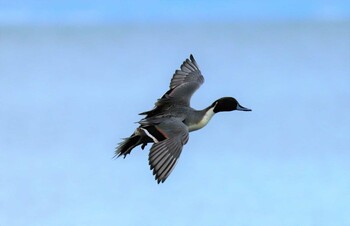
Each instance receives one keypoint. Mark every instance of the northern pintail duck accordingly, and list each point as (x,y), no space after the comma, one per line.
(168,124)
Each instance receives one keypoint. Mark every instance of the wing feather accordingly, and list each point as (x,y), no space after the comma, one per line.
(183,84)
(189,73)
(164,155)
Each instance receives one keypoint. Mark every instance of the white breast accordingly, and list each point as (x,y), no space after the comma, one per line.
(203,122)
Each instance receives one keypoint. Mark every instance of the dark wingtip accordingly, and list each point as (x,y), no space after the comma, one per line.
(191,57)
(159,181)
(194,61)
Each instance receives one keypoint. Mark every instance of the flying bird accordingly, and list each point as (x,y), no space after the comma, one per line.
(168,124)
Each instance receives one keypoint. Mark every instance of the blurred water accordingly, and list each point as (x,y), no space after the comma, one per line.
(68,94)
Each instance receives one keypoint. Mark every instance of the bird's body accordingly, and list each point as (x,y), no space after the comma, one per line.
(168,124)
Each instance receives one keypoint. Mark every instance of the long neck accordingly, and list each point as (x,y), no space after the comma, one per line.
(200,118)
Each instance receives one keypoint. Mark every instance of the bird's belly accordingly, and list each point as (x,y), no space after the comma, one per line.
(197,126)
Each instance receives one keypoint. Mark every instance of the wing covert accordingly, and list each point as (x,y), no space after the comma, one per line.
(164,155)
(184,82)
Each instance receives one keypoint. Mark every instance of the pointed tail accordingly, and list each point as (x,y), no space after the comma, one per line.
(126,146)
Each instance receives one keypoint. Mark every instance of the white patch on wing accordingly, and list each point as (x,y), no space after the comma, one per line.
(150,135)
(204,121)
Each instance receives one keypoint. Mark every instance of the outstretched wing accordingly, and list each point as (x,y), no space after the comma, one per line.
(164,155)
(185,82)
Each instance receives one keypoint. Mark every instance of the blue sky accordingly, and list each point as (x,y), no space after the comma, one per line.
(163,11)
(68,94)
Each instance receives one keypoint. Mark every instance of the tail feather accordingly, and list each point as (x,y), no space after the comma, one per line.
(125,147)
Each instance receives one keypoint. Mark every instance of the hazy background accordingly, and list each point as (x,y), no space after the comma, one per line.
(75,74)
